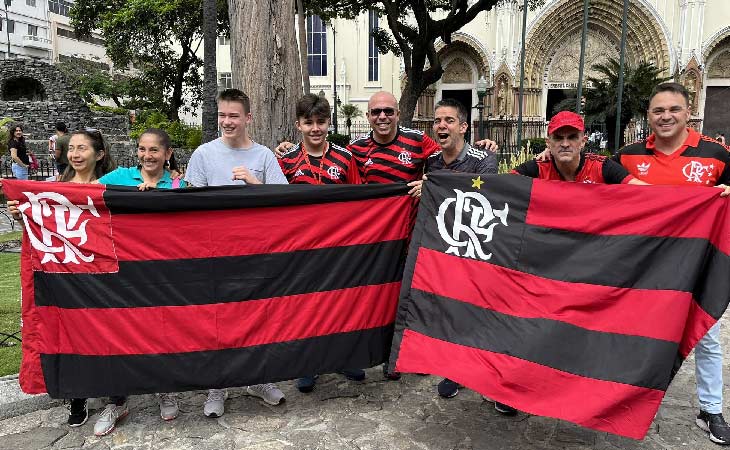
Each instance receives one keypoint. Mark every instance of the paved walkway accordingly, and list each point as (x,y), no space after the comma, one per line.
(372,415)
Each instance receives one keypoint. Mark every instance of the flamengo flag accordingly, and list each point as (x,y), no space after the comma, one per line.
(130,292)
(565,300)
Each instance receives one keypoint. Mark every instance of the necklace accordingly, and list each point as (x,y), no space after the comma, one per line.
(316,175)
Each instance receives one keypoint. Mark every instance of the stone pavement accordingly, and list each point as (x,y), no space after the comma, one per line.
(372,415)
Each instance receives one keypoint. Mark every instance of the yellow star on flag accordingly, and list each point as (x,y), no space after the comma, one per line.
(477,182)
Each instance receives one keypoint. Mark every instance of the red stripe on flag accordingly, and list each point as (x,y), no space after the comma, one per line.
(177,329)
(31,375)
(533,388)
(698,323)
(631,210)
(238,232)
(658,314)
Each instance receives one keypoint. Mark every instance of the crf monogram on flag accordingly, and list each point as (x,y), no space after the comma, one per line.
(559,299)
(562,299)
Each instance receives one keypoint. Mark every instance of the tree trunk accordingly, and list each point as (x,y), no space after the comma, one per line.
(210,72)
(265,63)
(303,52)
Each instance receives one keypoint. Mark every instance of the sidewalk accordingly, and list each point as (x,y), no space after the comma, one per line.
(339,414)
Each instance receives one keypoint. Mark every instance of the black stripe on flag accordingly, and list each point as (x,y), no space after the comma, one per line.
(126,200)
(98,376)
(226,279)
(634,360)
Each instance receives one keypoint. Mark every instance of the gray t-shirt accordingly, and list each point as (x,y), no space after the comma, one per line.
(212,164)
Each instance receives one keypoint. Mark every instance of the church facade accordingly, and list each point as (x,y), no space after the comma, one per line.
(688,39)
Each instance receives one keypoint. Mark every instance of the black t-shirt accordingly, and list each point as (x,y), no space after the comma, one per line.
(21,148)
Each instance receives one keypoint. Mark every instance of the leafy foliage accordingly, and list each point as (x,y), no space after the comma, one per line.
(5,122)
(158,38)
(601,98)
(181,135)
(338,139)
(349,112)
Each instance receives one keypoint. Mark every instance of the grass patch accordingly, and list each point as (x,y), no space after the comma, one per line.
(12,236)
(9,307)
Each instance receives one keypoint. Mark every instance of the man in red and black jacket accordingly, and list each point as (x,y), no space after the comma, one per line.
(676,154)
(565,142)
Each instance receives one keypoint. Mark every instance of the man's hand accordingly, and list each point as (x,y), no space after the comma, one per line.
(487,145)
(725,190)
(242,173)
(282,148)
(544,156)
(416,187)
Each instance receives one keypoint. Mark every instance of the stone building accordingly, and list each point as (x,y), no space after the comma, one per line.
(689,39)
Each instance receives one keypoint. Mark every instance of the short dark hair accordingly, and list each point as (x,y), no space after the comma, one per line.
(670,87)
(453,103)
(162,136)
(236,95)
(60,126)
(312,105)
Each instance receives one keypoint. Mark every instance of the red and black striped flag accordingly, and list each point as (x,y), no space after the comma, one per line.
(566,300)
(130,292)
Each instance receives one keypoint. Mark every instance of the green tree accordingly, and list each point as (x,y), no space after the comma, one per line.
(93,82)
(349,112)
(601,97)
(159,38)
(414,26)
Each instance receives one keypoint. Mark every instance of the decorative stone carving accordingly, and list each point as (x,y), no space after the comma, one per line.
(720,67)
(566,61)
(458,71)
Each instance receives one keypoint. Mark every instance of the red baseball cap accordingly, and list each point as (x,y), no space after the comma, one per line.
(566,119)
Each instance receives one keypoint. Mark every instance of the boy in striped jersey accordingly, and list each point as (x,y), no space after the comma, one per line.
(314,160)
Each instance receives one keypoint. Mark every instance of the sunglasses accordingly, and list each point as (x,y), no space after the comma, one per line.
(376,111)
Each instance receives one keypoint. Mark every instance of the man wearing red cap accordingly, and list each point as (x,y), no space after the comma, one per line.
(565,142)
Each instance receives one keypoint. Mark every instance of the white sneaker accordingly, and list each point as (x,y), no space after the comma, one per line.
(168,406)
(215,404)
(108,419)
(267,392)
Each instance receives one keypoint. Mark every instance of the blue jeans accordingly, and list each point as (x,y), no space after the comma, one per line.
(708,371)
(19,172)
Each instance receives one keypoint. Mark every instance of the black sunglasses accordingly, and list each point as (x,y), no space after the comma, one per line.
(376,111)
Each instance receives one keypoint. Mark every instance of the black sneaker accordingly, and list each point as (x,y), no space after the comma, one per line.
(505,410)
(306,384)
(393,376)
(715,425)
(354,374)
(448,388)
(78,413)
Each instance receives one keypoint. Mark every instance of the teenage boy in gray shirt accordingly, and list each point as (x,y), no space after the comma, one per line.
(234,158)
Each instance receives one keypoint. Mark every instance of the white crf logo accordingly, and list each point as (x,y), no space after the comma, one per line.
(333,172)
(67,233)
(405,157)
(694,171)
(474,220)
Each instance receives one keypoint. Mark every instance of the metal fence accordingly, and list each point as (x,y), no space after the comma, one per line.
(47,167)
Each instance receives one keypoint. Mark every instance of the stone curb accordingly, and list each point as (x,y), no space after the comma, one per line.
(14,402)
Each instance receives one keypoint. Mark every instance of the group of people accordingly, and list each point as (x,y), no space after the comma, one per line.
(390,153)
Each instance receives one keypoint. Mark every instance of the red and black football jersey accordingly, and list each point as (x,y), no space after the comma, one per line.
(591,169)
(700,161)
(336,166)
(401,160)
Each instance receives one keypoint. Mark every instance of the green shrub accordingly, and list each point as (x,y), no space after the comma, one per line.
(339,139)
(181,135)
(536,145)
(110,109)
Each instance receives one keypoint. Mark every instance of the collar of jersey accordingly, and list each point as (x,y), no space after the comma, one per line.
(693,140)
